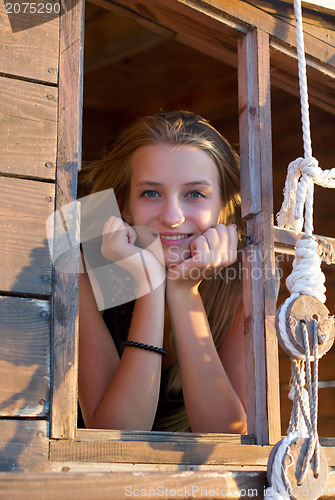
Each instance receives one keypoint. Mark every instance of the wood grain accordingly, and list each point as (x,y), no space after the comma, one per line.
(204,16)
(24,253)
(65,292)
(188,452)
(23,447)
(107,486)
(28,132)
(24,357)
(29,45)
(214,27)
(263,410)
(155,436)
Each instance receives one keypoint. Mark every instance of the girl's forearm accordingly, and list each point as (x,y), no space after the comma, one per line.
(212,404)
(130,400)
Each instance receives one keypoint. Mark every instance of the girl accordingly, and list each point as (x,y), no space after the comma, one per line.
(176,175)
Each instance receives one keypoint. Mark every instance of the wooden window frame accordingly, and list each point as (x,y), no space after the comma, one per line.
(219,36)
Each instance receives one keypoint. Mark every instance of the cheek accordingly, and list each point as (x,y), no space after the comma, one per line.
(140,214)
(207,218)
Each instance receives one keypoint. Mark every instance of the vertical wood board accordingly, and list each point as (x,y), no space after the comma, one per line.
(28,138)
(249,124)
(24,254)
(256,189)
(65,290)
(24,446)
(29,43)
(255,367)
(24,357)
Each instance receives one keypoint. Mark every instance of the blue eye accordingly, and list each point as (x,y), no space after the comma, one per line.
(149,193)
(196,194)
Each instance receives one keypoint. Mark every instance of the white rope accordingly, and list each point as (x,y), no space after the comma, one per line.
(302,173)
(307,277)
(306,133)
(279,487)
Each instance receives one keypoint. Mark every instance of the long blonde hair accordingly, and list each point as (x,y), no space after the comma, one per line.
(222,293)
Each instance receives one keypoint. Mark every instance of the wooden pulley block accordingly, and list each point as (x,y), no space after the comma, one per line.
(305,308)
(312,486)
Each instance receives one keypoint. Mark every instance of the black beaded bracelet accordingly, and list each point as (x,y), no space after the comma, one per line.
(146,347)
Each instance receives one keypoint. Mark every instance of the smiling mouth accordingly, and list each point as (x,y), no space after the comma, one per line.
(174,237)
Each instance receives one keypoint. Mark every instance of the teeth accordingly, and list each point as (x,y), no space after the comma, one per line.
(175,237)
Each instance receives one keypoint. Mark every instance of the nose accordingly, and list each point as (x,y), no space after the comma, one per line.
(171,214)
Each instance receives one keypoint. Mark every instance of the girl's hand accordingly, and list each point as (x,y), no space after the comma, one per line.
(118,240)
(215,249)
(118,246)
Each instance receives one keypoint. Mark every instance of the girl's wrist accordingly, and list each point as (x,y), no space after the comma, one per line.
(181,287)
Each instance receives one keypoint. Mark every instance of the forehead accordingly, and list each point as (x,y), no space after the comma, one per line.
(165,163)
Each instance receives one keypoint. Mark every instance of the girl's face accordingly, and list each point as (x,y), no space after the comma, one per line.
(175,191)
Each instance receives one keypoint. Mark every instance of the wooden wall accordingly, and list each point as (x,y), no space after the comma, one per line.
(28,144)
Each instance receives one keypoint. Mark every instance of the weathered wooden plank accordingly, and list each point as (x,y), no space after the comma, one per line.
(65,296)
(29,44)
(263,408)
(315,24)
(143,20)
(287,239)
(321,80)
(154,436)
(23,446)
(319,5)
(164,452)
(249,154)
(186,453)
(24,254)
(106,486)
(24,357)
(213,27)
(28,142)
(204,17)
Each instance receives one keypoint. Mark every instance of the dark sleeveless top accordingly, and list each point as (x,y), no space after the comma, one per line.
(171,412)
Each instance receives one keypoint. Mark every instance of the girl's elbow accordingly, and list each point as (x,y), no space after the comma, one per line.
(239,425)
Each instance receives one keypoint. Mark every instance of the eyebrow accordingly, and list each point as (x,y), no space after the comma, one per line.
(193,183)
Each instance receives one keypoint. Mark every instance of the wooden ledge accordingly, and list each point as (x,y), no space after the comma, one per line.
(167,485)
(106,486)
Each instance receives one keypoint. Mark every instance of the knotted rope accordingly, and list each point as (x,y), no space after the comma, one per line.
(306,278)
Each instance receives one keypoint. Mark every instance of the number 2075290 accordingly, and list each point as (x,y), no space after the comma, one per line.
(32,8)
